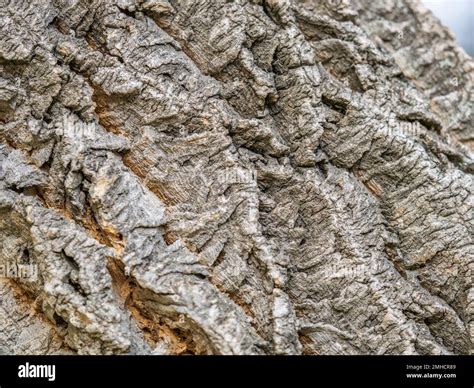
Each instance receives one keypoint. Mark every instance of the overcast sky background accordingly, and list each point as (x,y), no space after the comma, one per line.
(458,15)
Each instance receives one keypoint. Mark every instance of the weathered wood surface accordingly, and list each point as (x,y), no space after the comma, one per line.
(234,177)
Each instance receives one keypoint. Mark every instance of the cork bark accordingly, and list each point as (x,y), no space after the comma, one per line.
(234,177)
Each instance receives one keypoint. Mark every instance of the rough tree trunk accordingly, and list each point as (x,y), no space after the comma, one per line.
(234,177)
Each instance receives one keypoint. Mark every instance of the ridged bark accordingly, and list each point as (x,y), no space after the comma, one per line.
(234,177)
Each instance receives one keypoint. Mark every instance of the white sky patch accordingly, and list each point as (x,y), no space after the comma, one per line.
(458,15)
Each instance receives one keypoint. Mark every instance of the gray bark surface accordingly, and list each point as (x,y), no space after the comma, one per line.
(234,177)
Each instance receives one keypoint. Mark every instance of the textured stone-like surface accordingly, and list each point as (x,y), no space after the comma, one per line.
(245,177)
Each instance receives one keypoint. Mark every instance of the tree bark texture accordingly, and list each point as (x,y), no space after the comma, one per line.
(234,177)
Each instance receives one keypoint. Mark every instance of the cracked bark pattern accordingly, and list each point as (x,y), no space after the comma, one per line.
(235,177)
